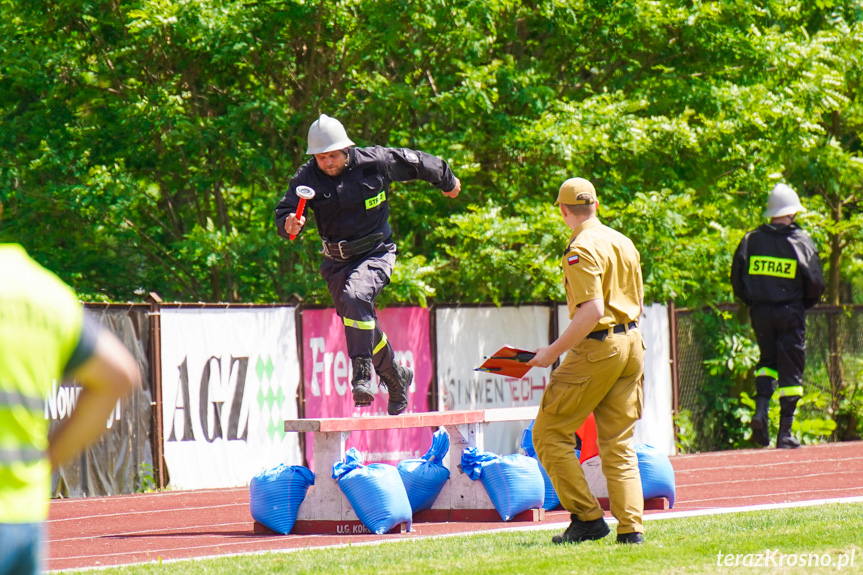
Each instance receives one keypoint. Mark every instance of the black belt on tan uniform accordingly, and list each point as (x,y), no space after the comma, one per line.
(353,250)
(601,334)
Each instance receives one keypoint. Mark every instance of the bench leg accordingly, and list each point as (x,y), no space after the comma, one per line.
(325,501)
(326,510)
(460,492)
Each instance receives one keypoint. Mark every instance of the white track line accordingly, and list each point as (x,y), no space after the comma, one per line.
(765,479)
(768,464)
(149,496)
(146,512)
(164,532)
(769,495)
(185,494)
(543,527)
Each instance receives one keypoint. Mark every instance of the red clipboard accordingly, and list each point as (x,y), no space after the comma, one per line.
(508,361)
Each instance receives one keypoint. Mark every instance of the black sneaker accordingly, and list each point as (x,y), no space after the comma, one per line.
(634,538)
(579,531)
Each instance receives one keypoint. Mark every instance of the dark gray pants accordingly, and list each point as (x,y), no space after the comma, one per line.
(354,287)
(780,330)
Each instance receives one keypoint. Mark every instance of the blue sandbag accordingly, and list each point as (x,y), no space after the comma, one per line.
(424,478)
(514,482)
(375,491)
(657,474)
(527,440)
(551,499)
(275,496)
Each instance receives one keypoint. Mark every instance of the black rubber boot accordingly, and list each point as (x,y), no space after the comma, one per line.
(761,421)
(397,380)
(579,531)
(784,440)
(361,382)
(764,388)
(787,407)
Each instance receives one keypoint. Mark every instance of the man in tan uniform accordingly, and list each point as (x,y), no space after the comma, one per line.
(601,373)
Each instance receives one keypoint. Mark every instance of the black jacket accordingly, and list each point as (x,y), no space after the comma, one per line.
(356,203)
(777,264)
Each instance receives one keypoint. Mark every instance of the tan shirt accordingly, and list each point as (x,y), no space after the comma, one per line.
(601,263)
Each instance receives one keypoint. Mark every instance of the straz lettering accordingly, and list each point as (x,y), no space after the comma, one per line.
(776,267)
(376,201)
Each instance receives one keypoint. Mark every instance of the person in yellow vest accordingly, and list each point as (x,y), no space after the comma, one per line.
(601,373)
(45,335)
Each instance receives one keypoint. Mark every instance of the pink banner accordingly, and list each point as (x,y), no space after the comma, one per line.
(327,381)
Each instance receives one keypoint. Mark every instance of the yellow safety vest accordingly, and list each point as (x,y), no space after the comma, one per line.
(40,326)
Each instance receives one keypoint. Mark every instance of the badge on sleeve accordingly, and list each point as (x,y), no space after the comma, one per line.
(411,157)
(573,259)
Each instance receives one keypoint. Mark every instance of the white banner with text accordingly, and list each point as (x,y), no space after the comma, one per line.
(229,380)
(467,335)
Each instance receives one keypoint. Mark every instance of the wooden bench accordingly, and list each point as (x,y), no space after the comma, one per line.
(326,509)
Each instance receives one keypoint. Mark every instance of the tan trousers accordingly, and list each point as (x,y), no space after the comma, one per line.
(603,378)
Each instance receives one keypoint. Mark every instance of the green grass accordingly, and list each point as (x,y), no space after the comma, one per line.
(683,545)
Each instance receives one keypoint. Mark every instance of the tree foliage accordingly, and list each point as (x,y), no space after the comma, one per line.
(144,144)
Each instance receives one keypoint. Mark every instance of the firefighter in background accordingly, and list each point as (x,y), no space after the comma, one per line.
(351,209)
(776,272)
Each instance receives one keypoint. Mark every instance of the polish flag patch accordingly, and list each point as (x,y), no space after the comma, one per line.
(573,259)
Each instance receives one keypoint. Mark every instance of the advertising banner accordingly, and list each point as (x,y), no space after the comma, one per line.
(120,461)
(656,427)
(465,337)
(327,380)
(229,380)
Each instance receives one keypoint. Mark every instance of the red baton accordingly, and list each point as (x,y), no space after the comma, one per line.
(305,193)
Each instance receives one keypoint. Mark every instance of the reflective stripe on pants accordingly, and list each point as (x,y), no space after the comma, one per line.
(353,287)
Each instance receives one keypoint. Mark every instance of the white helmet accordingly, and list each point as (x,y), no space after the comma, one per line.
(327,134)
(783,201)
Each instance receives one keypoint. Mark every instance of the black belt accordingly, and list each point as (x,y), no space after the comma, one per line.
(601,334)
(353,250)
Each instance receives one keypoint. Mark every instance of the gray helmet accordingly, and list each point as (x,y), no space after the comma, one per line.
(327,134)
(783,201)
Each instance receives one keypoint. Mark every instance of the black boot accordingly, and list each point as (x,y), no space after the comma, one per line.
(787,407)
(579,531)
(397,380)
(784,440)
(630,538)
(761,421)
(765,385)
(361,382)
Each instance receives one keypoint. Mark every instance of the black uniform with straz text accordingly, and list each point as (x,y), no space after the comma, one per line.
(351,212)
(777,273)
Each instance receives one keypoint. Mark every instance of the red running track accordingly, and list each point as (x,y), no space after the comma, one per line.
(183,524)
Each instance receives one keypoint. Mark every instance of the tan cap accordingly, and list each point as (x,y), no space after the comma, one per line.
(576,191)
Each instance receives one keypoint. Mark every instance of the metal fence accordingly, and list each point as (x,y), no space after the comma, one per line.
(834,356)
